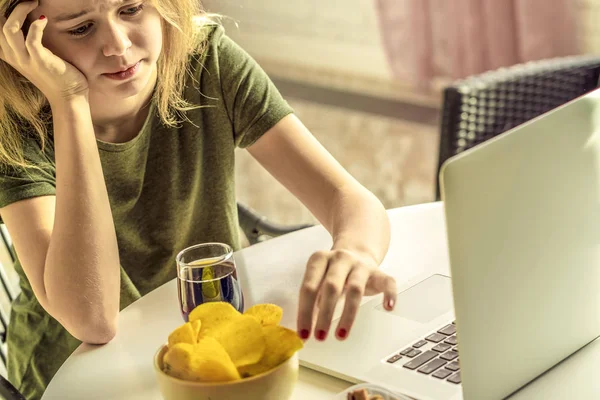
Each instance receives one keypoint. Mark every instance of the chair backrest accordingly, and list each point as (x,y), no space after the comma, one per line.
(257,228)
(8,289)
(480,107)
(8,391)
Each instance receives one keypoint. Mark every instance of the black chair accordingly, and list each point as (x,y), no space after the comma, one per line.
(8,391)
(258,229)
(9,291)
(480,107)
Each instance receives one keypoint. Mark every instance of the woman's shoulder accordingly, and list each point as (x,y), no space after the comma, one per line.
(211,52)
(209,34)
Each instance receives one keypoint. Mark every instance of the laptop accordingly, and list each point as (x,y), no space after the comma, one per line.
(522,218)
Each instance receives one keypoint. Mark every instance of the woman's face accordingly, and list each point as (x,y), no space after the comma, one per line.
(104,37)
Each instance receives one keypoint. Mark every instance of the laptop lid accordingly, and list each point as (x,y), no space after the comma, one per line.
(523,222)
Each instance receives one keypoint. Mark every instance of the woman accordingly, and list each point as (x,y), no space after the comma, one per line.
(118,125)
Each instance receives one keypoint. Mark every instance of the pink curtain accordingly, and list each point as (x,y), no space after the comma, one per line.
(456,38)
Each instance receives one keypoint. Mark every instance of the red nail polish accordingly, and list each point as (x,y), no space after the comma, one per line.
(42,17)
(321,335)
(342,333)
(304,333)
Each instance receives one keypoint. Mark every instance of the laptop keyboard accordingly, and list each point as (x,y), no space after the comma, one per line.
(435,355)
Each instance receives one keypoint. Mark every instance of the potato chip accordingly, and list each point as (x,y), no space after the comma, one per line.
(281,343)
(205,361)
(267,314)
(242,338)
(213,314)
(186,333)
(177,361)
(248,371)
(196,325)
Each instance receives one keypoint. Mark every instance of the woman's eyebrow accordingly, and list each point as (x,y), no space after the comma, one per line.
(69,16)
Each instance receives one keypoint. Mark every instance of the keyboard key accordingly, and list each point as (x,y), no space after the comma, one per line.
(453,366)
(455,378)
(441,347)
(422,359)
(432,366)
(451,340)
(450,355)
(442,373)
(393,359)
(413,353)
(455,349)
(435,337)
(448,330)
(420,343)
(406,352)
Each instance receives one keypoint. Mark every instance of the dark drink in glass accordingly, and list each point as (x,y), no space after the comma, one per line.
(206,273)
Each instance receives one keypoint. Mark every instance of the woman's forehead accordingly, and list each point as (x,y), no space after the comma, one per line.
(79,5)
(71,6)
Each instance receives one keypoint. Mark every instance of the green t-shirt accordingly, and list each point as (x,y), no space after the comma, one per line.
(169,188)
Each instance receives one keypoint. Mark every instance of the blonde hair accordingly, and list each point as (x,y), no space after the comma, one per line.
(22,104)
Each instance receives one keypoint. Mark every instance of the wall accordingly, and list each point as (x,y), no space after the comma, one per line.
(333,44)
(338,35)
(590,25)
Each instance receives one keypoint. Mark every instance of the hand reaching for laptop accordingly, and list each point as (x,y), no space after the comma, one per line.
(329,275)
(57,79)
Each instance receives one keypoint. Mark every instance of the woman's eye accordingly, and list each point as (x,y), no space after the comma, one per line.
(82,30)
(133,10)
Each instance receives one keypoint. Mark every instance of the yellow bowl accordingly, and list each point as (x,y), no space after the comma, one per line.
(277,384)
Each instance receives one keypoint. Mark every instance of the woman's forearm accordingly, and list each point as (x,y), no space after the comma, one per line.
(359,222)
(82,269)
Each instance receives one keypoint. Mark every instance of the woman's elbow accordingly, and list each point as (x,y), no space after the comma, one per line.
(93,330)
(96,333)
(91,324)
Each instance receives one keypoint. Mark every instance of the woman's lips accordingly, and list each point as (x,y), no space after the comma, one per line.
(128,73)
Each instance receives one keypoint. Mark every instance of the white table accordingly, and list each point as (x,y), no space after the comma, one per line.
(272,272)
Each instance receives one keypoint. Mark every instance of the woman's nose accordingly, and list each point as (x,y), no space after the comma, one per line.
(116,42)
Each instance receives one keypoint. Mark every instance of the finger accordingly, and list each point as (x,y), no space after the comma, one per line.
(381,282)
(331,290)
(315,270)
(14,4)
(318,301)
(33,42)
(11,7)
(12,29)
(355,289)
